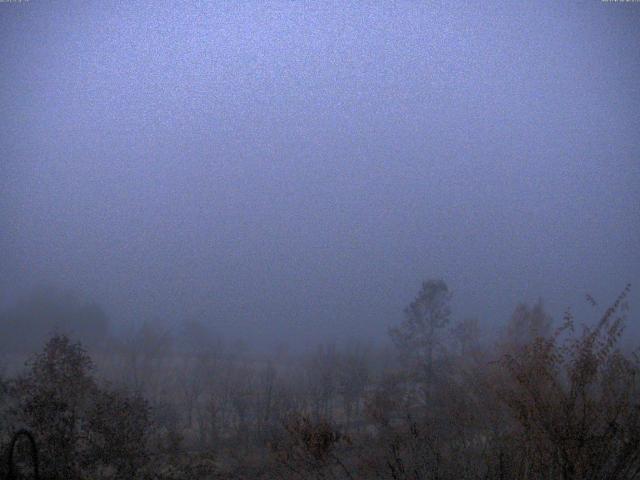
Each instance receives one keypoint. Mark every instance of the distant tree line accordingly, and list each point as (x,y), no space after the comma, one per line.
(46,311)
(542,400)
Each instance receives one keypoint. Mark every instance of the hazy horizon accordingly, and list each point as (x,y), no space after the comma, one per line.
(293,172)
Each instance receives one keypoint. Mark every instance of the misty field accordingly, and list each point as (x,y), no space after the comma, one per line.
(544,400)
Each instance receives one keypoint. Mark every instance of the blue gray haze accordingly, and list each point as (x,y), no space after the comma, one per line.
(290,172)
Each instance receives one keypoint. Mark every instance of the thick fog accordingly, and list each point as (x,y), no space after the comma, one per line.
(291,173)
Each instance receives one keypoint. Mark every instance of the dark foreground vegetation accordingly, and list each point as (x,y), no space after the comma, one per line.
(541,401)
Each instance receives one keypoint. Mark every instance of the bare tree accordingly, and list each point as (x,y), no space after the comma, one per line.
(528,323)
(321,373)
(143,353)
(418,336)
(353,378)
(465,334)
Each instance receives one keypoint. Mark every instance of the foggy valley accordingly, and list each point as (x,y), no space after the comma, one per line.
(319,240)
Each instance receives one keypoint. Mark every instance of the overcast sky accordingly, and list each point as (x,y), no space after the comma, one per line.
(293,171)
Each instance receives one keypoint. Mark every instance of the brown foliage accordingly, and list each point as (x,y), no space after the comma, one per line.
(576,401)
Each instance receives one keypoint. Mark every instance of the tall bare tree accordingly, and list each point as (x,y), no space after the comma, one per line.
(418,336)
